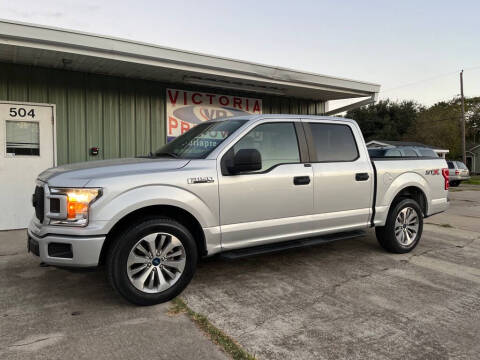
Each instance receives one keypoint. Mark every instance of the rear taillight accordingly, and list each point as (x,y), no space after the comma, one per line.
(445,177)
(457,172)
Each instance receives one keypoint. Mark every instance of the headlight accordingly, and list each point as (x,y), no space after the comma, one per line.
(72,205)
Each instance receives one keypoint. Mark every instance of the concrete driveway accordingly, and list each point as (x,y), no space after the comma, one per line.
(49,313)
(348,299)
(351,299)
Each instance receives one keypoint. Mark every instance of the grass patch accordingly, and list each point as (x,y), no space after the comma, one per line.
(229,345)
(474,180)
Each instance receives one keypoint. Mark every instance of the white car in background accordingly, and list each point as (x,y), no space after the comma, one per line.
(458,172)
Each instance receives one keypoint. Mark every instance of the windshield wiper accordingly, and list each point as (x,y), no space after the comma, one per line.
(171,154)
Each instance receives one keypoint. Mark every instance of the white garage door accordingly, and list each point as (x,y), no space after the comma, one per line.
(27,147)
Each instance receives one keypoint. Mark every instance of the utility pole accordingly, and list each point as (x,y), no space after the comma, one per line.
(464,156)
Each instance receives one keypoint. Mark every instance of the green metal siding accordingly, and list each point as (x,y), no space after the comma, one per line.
(157,117)
(124,117)
(127,125)
(475,154)
(94,114)
(111,117)
(76,133)
(57,94)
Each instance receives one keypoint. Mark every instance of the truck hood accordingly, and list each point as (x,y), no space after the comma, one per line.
(79,174)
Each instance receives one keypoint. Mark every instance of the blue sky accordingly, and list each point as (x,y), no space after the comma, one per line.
(414,49)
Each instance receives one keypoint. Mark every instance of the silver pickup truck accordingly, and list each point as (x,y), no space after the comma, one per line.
(237,186)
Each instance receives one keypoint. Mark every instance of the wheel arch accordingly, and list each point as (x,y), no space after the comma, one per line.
(406,185)
(411,192)
(173,212)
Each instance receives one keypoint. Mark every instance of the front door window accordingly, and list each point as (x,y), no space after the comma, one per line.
(276,142)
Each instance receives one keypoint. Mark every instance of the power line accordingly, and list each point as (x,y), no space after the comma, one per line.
(430,79)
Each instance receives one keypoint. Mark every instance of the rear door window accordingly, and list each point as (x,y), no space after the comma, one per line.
(450,165)
(334,142)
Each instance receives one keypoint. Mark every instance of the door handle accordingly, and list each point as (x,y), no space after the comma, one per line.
(301,180)
(361,176)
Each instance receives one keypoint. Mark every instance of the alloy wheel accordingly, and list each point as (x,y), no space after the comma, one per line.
(406,226)
(156,262)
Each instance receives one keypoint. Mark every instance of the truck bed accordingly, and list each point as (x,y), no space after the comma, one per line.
(392,175)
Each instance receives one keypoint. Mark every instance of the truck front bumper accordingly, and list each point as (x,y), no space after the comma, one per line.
(63,250)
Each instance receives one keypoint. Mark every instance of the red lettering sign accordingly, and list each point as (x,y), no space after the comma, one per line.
(184,127)
(223,100)
(172,124)
(194,96)
(256,107)
(186,109)
(237,103)
(173,99)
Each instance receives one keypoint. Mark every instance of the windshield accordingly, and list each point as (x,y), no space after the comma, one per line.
(200,141)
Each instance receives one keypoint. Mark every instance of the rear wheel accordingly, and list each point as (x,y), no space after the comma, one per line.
(403,228)
(152,261)
(454,183)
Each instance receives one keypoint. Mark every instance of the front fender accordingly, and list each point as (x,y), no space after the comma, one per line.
(114,209)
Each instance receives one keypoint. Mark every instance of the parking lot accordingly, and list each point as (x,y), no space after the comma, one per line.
(348,299)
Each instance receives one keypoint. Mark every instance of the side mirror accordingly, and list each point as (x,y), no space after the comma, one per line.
(246,160)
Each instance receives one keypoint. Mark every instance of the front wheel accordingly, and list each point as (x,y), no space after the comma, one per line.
(152,261)
(403,228)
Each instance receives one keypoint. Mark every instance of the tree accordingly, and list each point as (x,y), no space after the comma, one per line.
(472,119)
(386,120)
(439,126)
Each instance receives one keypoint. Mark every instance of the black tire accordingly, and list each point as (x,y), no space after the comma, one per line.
(116,262)
(386,234)
(454,183)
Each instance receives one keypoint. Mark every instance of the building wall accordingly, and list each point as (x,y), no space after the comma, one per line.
(475,154)
(124,117)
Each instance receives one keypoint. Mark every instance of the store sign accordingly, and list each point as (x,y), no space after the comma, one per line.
(185,109)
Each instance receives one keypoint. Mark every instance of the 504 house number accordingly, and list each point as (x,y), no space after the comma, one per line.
(22,112)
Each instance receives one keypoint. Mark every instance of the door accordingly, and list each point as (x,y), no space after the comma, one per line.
(343,177)
(26,149)
(274,203)
(469,163)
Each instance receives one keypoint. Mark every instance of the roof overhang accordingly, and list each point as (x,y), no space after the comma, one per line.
(36,45)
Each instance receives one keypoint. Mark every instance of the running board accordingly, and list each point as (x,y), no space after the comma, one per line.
(287,245)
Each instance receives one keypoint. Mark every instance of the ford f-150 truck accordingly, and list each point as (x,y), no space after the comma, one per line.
(237,186)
